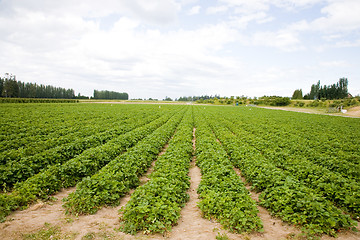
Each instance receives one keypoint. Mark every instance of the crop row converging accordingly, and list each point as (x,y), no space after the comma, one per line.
(305,166)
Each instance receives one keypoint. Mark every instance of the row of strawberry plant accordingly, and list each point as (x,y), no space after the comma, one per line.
(38,147)
(114,180)
(282,194)
(295,145)
(320,145)
(51,122)
(27,125)
(79,129)
(155,206)
(326,133)
(223,195)
(333,137)
(18,171)
(32,124)
(343,192)
(45,183)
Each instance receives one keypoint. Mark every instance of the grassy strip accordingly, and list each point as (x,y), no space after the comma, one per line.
(68,174)
(155,206)
(223,194)
(113,181)
(282,194)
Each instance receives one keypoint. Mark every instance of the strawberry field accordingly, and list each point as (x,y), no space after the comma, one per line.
(305,167)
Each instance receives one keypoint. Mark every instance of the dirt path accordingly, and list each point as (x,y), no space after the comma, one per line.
(35,217)
(191,225)
(274,228)
(352,112)
(104,223)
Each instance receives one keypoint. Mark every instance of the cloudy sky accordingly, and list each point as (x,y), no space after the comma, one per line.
(158,48)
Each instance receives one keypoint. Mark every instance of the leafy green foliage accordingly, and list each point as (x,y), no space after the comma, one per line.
(155,206)
(282,194)
(339,189)
(11,88)
(297,94)
(18,171)
(110,95)
(305,166)
(114,180)
(68,174)
(223,194)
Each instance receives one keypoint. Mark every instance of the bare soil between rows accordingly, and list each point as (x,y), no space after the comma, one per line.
(104,224)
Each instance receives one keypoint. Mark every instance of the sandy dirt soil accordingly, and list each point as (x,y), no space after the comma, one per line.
(352,112)
(104,224)
(274,228)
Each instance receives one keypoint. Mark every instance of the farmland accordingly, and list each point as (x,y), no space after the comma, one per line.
(145,168)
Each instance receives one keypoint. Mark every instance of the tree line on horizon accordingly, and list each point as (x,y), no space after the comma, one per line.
(11,88)
(105,94)
(337,90)
(196,98)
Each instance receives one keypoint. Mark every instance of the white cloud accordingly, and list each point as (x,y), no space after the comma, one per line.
(262,5)
(337,63)
(146,50)
(244,6)
(216,9)
(68,50)
(340,16)
(284,40)
(194,10)
(243,21)
(188,2)
(157,12)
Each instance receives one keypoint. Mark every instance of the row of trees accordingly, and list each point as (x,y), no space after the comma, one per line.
(105,94)
(196,98)
(10,88)
(297,94)
(216,99)
(271,100)
(337,90)
(334,91)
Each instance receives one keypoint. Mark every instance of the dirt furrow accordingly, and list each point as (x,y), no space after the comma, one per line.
(104,223)
(191,224)
(107,219)
(34,217)
(275,228)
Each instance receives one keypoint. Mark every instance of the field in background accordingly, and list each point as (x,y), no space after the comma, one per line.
(331,107)
(244,167)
